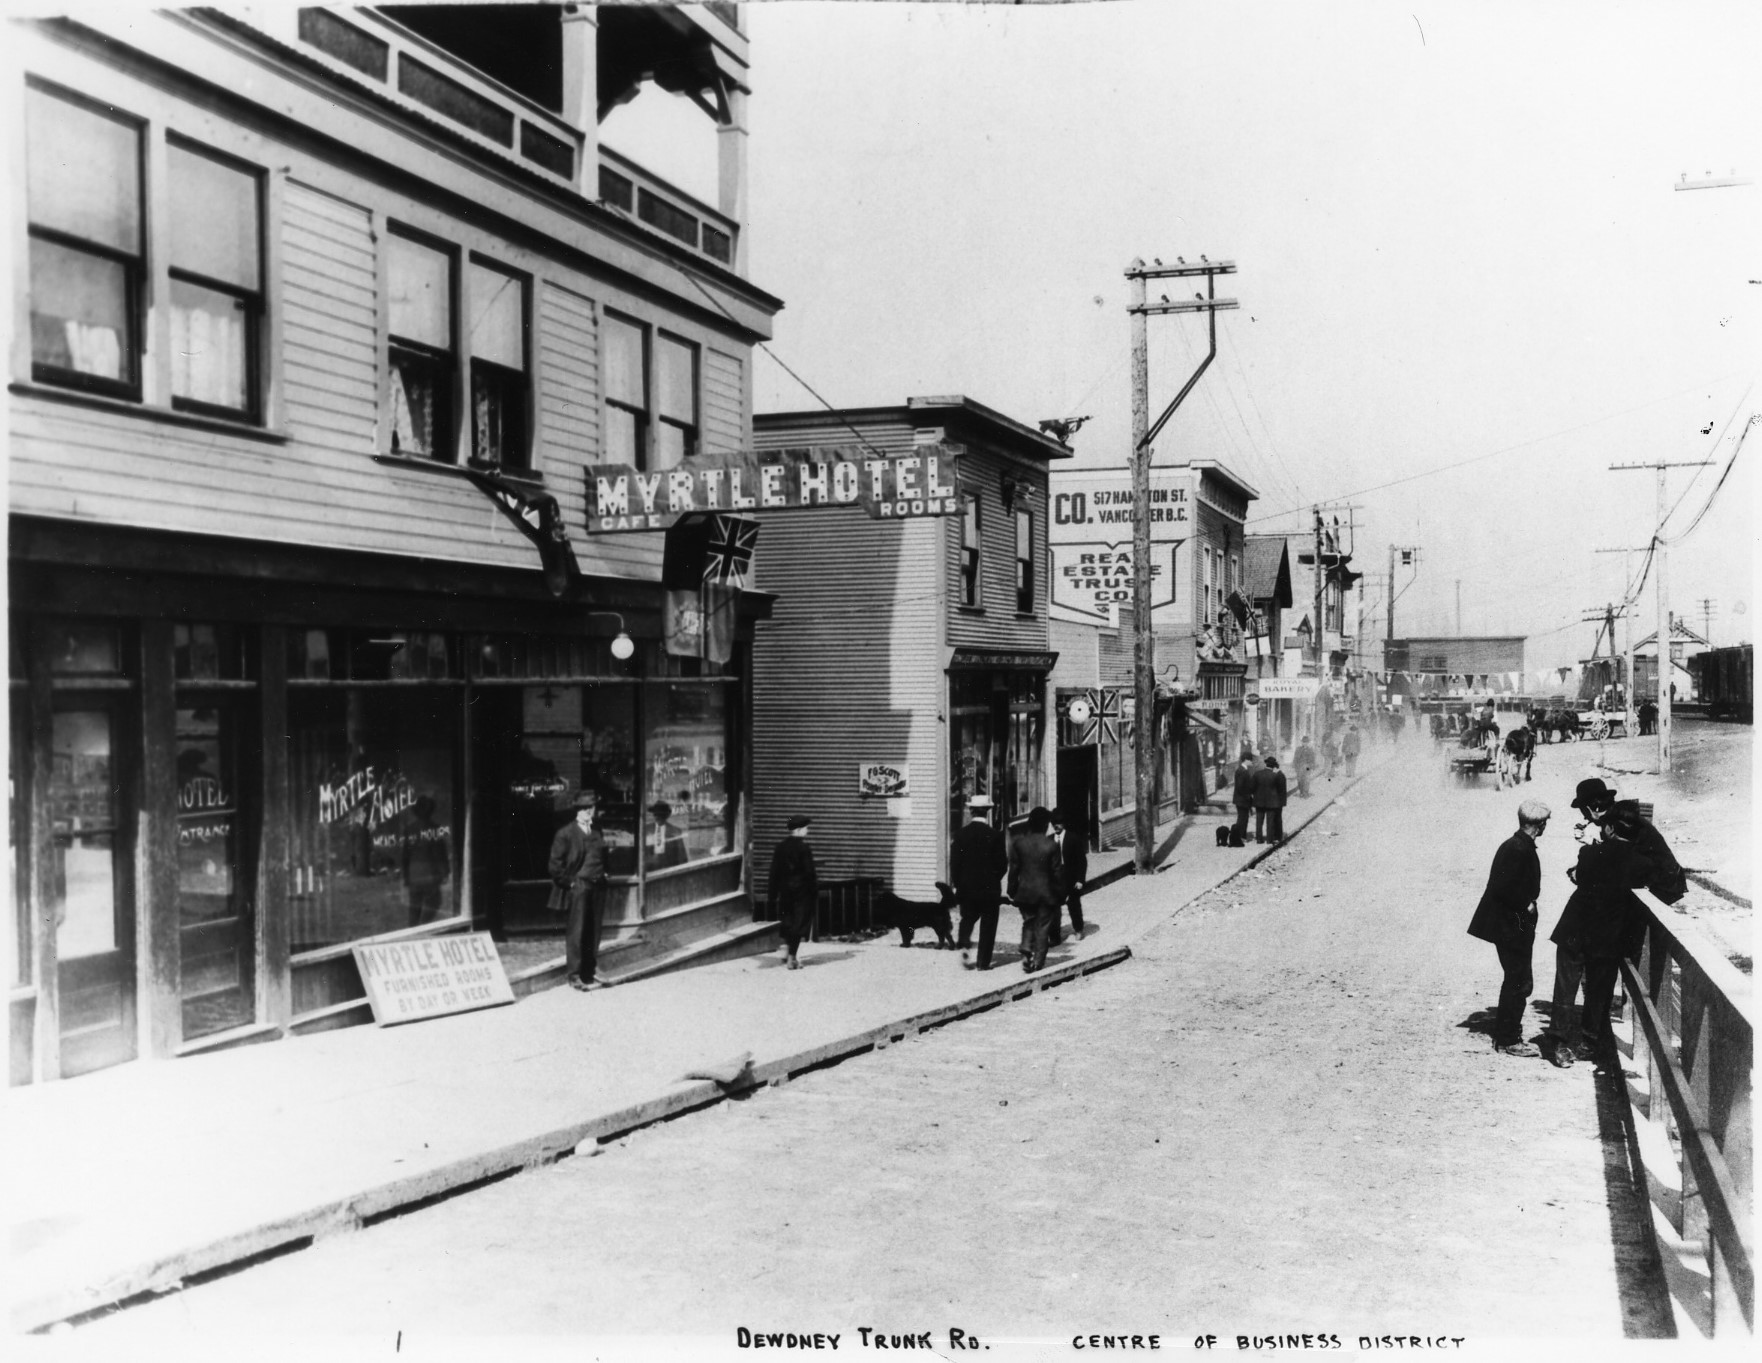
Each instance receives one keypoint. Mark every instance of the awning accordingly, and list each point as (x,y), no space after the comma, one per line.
(1206,720)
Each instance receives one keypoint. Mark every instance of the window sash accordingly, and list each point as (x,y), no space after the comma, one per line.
(213,347)
(422,408)
(498,414)
(83,172)
(497,318)
(420,286)
(216,231)
(626,381)
(676,380)
(83,321)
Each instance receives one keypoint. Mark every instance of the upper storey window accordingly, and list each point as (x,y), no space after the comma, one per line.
(84,189)
(651,396)
(216,282)
(422,347)
(498,367)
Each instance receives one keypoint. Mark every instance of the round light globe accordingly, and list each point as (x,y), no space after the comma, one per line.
(623,646)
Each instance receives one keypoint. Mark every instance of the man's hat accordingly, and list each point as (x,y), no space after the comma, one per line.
(586,799)
(1534,811)
(798,821)
(980,802)
(661,810)
(1592,792)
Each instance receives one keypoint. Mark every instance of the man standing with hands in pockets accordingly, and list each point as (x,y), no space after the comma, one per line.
(1506,917)
(578,878)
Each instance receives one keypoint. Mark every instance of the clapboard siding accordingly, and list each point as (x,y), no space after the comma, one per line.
(849,670)
(331,297)
(998,625)
(724,402)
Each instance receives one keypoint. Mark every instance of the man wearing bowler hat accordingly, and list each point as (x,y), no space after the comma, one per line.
(794,887)
(578,882)
(976,867)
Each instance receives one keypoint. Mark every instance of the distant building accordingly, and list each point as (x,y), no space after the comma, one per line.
(1455,665)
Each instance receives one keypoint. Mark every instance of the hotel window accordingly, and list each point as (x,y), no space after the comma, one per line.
(420,358)
(1025,562)
(970,552)
(497,340)
(627,408)
(216,283)
(83,184)
(676,437)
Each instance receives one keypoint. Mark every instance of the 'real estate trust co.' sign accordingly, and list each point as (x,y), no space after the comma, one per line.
(901,486)
(1091,540)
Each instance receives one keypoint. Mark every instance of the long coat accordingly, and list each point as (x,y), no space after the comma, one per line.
(1036,871)
(577,864)
(1506,912)
(1242,795)
(795,883)
(976,864)
(1270,787)
(1604,918)
(1075,852)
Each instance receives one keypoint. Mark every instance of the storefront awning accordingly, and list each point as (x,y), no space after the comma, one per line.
(996,660)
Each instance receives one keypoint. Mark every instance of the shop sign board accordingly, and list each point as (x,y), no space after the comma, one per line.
(891,487)
(431,977)
(1287,688)
(1090,534)
(885,780)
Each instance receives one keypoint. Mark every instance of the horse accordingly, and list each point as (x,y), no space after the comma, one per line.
(1561,723)
(1516,754)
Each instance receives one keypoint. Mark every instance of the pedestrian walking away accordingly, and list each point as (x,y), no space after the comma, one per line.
(1242,796)
(1350,747)
(1506,917)
(577,869)
(976,867)
(1305,762)
(1269,803)
(794,887)
(1036,884)
(1072,830)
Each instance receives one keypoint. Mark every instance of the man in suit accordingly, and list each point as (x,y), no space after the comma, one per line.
(1350,747)
(1242,795)
(1036,884)
(794,887)
(976,866)
(578,881)
(1506,917)
(1269,802)
(666,843)
(1306,764)
(1603,921)
(1072,828)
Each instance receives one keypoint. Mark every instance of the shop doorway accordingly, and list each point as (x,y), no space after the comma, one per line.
(216,878)
(89,883)
(1078,788)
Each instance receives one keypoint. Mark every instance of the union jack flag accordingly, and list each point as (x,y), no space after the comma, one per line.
(728,553)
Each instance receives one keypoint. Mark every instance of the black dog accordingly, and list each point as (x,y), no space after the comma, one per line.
(1227,836)
(910,914)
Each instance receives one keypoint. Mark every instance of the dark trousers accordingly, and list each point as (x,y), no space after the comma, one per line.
(1037,924)
(1269,825)
(587,913)
(1241,827)
(1514,992)
(1351,763)
(1074,901)
(984,913)
(1569,969)
(1601,973)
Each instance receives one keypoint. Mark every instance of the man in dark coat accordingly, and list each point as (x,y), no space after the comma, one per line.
(1269,802)
(1305,761)
(794,887)
(976,866)
(578,886)
(1603,922)
(1506,917)
(1350,746)
(1242,794)
(1036,884)
(1072,830)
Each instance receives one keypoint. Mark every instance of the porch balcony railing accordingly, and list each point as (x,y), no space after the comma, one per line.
(1692,1031)
(630,189)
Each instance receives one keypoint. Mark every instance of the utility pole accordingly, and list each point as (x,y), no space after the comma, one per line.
(1660,565)
(1458,608)
(1409,558)
(1707,620)
(1629,603)
(1143,432)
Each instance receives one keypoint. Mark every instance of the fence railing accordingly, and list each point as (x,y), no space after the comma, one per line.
(1690,1012)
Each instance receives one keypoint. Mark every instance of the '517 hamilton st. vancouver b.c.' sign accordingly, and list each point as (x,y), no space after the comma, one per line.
(901,486)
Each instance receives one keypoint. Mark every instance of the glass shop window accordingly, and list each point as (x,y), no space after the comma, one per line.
(690,806)
(216,938)
(83,189)
(374,775)
(205,652)
(970,736)
(216,283)
(497,342)
(421,354)
(572,738)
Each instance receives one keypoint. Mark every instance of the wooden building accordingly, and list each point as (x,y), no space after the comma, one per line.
(903,651)
(318,315)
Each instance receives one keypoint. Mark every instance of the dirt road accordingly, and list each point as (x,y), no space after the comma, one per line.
(1281,1117)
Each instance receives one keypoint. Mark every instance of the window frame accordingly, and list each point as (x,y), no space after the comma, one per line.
(1025,583)
(445,364)
(522,407)
(972,559)
(693,431)
(256,302)
(135,268)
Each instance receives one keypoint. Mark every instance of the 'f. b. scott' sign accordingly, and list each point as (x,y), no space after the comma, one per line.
(902,486)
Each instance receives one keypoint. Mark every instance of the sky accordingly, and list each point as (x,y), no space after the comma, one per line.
(1457,242)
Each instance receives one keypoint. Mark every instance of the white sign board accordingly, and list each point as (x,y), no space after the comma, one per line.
(1287,688)
(432,976)
(1090,534)
(885,780)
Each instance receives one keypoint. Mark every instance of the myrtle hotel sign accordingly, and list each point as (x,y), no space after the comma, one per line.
(888,487)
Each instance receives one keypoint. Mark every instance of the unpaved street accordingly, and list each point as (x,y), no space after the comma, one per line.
(1278,1117)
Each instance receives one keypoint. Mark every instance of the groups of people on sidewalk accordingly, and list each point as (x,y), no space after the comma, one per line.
(1040,869)
(1602,924)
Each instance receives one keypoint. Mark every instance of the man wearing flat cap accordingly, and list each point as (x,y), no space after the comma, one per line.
(1506,917)
(578,887)
(976,866)
(794,887)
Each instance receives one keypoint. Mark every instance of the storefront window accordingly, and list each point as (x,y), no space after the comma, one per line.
(82,815)
(1022,776)
(1115,758)
(969,731)
(996,726)
(691,808)
(375,787)
(215,937)
(572,738)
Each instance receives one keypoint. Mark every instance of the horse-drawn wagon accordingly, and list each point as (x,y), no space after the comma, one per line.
(1473,755)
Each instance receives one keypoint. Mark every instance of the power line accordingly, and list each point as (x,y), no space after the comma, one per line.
(1721,483)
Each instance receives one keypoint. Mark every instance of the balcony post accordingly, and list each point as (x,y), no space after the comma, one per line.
(581,92)
(731,164)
